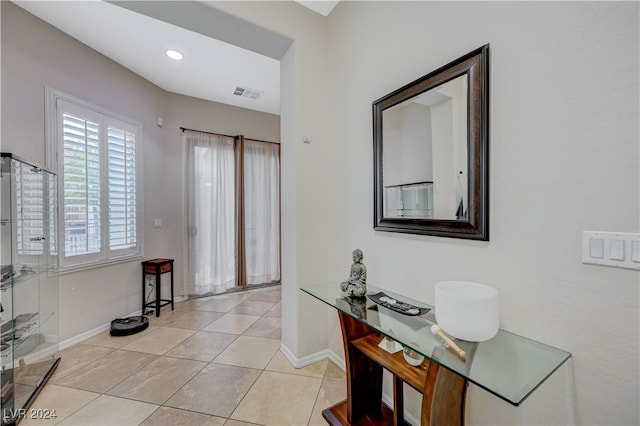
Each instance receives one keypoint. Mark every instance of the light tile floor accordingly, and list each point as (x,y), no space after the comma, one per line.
(211,361)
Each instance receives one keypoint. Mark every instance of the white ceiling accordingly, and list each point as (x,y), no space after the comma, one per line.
(211,69)
(323,7)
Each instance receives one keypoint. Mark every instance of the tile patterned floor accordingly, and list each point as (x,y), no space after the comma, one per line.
(211,361)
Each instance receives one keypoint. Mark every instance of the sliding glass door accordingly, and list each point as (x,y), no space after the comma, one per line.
(262,211)
(232,211)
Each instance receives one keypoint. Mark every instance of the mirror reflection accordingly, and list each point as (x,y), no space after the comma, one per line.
(425,154)
(430,152)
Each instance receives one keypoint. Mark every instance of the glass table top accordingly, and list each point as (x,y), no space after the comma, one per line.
(509,366)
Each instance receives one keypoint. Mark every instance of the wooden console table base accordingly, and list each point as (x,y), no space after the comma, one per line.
(443,392)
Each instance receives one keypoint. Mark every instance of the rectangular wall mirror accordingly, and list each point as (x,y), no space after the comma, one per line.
(431,152)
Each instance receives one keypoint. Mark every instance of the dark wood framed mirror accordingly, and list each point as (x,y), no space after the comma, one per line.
(431,152)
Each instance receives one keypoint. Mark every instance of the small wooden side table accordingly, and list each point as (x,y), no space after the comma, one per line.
(156,267)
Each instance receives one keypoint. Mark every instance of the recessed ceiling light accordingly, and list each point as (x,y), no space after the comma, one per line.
(174,54)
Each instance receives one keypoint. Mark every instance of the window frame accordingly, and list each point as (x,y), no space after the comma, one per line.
(54,143)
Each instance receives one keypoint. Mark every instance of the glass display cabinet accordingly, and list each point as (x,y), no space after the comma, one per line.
(28,284)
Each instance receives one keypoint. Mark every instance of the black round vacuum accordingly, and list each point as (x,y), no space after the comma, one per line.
(129,325)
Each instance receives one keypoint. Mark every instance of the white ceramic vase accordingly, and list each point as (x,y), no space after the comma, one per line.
(467,310)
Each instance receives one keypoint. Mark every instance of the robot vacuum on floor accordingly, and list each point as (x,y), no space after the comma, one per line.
(129,325)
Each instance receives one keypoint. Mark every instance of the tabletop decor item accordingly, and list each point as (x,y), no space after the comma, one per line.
(356,284)
(435,329)
(467,310)
(390,345)
(396,305)
(412,357)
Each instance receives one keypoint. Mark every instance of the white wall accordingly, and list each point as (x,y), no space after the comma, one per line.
(35,55)
(564,158)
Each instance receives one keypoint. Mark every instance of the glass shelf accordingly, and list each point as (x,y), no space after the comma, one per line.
(24,276)
(21,335)
(509,366)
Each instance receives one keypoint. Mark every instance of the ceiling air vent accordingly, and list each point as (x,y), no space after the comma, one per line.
(248,93)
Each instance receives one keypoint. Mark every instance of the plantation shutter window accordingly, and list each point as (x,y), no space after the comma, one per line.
(122,187)
(97,159)
(81,177)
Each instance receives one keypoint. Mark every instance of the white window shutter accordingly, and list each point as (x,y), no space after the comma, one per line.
(81,173)
(122,187)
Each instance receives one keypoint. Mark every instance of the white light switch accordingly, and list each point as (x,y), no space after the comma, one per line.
(157,223)
(596,248)
(635,251)
(616,249)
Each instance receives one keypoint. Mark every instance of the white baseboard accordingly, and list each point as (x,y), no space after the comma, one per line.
(333,357)
(104,327)
(67,343)
(310,359)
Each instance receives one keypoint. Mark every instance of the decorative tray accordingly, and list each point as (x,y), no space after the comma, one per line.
(396,305)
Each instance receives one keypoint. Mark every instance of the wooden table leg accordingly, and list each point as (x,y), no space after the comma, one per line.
(364,377)
(172,286)
(144,292)
(158,292)
(398,401)
(443,397)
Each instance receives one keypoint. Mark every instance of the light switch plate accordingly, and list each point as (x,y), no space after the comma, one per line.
(635,251)
(616,249)
(596,248)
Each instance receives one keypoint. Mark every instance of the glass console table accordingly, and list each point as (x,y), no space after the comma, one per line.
(509,366)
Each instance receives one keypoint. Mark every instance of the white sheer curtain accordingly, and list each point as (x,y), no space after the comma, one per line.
(210,200)
(262,211)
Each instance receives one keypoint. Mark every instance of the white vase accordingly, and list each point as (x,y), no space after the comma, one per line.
(467,310)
